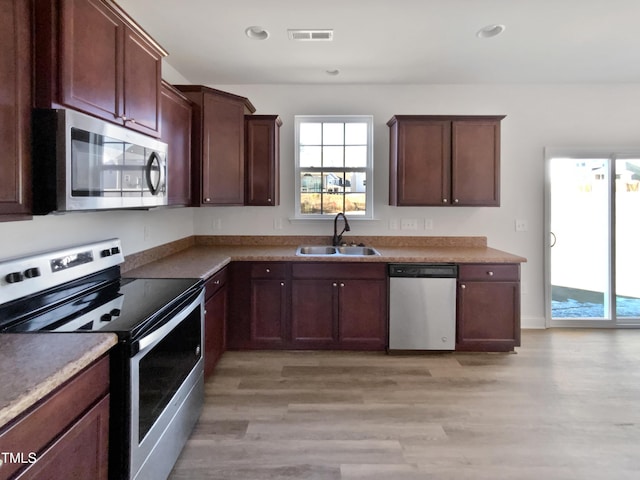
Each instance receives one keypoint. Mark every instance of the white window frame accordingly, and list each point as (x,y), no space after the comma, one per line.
(368,170)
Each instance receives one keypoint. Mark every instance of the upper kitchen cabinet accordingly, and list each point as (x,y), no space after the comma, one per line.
(217,145)
(176,133)
(438,160)
(262,159)
(15,114)
(91,57)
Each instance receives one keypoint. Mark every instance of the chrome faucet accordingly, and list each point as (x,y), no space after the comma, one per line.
(337,239)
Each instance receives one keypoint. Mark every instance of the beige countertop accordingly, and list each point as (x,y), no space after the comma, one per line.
(202,261)
(32,365)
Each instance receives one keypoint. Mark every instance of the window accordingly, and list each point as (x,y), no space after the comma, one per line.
(334,166)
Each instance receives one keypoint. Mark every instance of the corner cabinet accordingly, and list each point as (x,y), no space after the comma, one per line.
(15,114)
(488,307)
(90,56)
(217,145)
(67,432)
(262,160)
(438,160)
(176,133)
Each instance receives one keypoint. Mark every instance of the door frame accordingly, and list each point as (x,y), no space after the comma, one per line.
(612,154)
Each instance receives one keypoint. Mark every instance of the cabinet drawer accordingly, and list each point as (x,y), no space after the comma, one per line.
(489,272)
(215,282)
(268,270)
(36,429)
(339,270)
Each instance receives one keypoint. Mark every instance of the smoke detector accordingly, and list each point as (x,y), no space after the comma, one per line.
(315,35)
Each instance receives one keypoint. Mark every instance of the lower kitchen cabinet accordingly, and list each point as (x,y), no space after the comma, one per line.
(215,320)
(341,306)
(488,307)
(259,305)
(66,434)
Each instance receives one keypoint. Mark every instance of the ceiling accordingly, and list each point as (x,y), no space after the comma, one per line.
(397,41)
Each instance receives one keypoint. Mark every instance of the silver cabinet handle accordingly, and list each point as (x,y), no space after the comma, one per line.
(217,282)
(335,284)
(455,201)
(463,286)
(282,284)
(490,274)
(444,200)
(342,284)
(207,199)
(268,270)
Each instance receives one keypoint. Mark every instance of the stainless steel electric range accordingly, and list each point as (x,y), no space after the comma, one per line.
(157,366)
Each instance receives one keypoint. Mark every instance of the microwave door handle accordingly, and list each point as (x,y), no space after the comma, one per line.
(154,159)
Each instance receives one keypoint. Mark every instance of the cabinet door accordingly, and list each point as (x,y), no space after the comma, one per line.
(262,158)
(423,162)
(362,314)
(15,114)
(81,452)
(222,151)
(268,312)
(314,313)
(176,133)
(488,316)
(91,57)
(142,84)
(214,329)
(476,162)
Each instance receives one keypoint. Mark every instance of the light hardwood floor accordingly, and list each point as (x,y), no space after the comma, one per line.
(566,405)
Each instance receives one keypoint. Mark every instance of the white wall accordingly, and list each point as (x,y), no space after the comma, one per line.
(537,117)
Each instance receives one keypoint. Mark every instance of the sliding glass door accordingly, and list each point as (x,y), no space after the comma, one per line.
(592,218)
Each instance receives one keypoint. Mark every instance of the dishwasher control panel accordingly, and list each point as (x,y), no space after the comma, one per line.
(423,270)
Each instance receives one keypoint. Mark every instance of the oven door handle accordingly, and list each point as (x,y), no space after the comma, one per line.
(149,341)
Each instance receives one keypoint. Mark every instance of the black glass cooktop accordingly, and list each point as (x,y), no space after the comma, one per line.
(123,306)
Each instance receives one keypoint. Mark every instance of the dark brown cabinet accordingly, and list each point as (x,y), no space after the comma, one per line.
(488,307)
(215,320)
(217,145)
(259,305)
(438,160)
(339,306)
(262,159)
(176,133)
(90,56)
(15,114)
(68,431)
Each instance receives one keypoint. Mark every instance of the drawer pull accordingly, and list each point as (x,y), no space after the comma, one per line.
(463,286)
(268,270)
(282,284)
(216,282)
(490,273)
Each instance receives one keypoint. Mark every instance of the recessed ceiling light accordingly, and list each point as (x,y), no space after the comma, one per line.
(490,31)
(333,72)
(256,33)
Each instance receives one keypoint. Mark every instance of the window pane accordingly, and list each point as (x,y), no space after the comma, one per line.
(334,182)
(627,234)
(333,133)
(355,203)
(310,182)
(333,157)
(355,157)
(310,134)
(332,203)
(310,203)
(356,182)
(355,134)
(310,156)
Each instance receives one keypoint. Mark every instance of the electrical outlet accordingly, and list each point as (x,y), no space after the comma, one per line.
(277,223)
(393,224)
(521,225)
(428,224)
(147,233)
(409,224)
(216,224)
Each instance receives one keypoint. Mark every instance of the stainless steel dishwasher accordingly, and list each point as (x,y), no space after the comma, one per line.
(422,306)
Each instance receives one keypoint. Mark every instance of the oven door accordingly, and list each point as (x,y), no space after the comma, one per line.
(167,391)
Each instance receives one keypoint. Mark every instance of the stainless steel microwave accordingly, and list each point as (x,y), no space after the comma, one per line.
(83,163)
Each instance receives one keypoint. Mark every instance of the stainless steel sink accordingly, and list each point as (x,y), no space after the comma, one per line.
(324,251)
(363,251)
(316,250)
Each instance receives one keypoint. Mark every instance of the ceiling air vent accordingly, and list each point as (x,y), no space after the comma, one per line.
(311,35)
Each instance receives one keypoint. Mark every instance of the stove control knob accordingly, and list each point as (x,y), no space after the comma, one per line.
(32,272)
(105,253)
(106,317)
(115,312)
(115,250)
(14,277)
